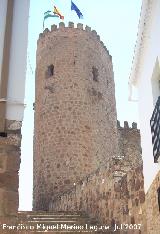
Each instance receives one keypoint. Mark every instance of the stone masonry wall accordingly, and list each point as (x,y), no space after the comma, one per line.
(10,142)
(130,143)
(75,110)
(108,199)
(152,207)
(114,193)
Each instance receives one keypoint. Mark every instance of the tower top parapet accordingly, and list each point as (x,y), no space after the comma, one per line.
(71,25)
(126,125)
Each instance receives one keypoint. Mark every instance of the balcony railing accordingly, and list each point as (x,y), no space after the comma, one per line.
(155,130)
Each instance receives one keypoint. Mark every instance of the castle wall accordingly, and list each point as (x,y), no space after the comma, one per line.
(9,168)
(130,143)
(152,207)
(75,110)
(114,193)
(108,200)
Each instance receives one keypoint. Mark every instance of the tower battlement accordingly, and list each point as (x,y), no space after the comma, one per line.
(71,25)
(129,143)
(126,125)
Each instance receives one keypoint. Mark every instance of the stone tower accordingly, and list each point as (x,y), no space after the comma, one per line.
(75,110)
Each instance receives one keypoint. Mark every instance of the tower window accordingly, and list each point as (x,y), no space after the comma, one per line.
(158,191)
(95,74)
(3,134)
(50,71)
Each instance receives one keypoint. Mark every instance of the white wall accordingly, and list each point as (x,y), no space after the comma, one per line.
(3,12)
(146,99)
(18,61)
(155,82)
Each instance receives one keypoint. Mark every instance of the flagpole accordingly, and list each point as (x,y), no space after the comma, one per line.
(43,24)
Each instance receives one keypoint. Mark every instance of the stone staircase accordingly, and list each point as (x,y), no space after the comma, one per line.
(50,222)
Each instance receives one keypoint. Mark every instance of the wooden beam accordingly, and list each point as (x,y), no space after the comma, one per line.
(5,63)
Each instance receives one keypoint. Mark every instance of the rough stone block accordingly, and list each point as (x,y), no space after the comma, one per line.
(13,125)
(9,180)
(141,196)
(71,25)
(9,158)
(134,125)
(8,203)
(126,124)
(88,29)
(118,124)
(80,26)
(3,163)
(46,31)
(61,25)
(94,33)
(54,27)
(102,43)
(98,37)
(41,35)
(11,139)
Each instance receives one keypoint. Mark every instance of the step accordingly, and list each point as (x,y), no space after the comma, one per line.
(51,212)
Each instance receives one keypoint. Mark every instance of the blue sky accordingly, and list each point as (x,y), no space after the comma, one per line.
(116,21)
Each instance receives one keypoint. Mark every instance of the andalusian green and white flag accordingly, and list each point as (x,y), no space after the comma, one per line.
(48,14)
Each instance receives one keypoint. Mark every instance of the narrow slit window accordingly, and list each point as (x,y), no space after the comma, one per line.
(50,71)
(3,134)
(95,74)
(158,192)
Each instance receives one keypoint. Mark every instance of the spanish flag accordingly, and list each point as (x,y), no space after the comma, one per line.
(57,12)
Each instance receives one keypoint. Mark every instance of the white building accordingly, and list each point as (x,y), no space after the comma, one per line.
(145,76)
(14,16)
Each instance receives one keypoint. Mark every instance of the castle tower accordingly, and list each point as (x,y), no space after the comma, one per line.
(75,110)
